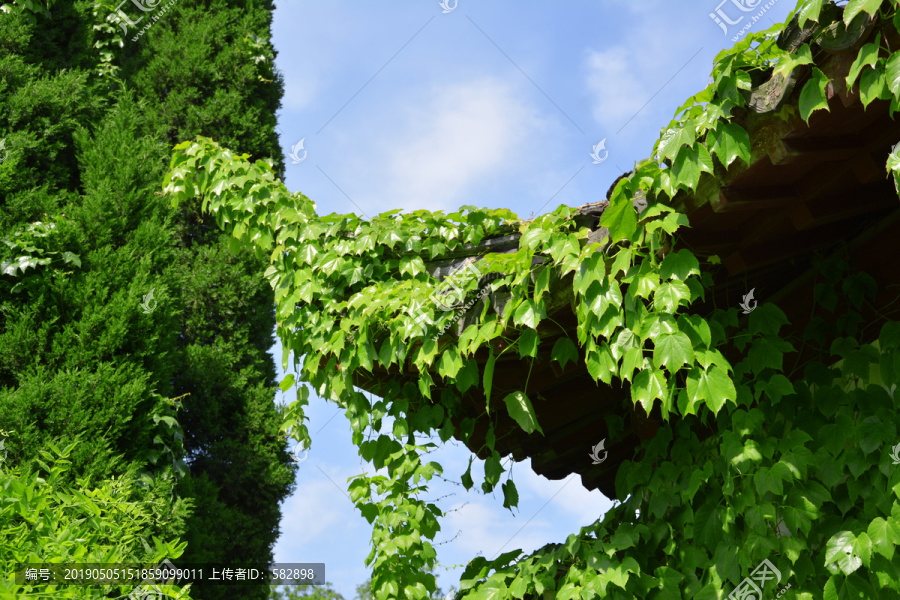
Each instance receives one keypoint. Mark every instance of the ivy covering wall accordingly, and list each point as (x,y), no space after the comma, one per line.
(798,471)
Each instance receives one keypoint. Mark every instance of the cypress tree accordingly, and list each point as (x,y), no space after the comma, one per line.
(111,302)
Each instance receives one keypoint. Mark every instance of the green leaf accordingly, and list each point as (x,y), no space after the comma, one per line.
(672,350)
(648,386)
(851,587)
(868,56)
(789,62)
(872,85)
(412,265)
(510,494)
(287,382)
(686,167)
(467,376)
(528,343)
(809,12)
(840,550)
(450,363)
(528,314)
(679,265)
(467,477)
(673,139)
(884,534)
(669,295)
(564,351)
(489,378)
(620,218)
(731,141)
(492,469)
(520,409)
(812,97)
(892,71)
(854,7)
(712,385)
(492,589)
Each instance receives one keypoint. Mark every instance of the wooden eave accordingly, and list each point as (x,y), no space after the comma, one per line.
(806,190)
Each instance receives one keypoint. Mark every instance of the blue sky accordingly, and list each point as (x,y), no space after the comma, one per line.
(496,104)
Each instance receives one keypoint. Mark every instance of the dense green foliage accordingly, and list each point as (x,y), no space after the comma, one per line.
(796,469)
(90,240)
(41,517)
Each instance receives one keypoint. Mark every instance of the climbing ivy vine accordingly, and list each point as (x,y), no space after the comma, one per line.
(797,467)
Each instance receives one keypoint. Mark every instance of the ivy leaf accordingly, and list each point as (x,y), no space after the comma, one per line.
(510,494)
(731,141)
(669,295)
(520,409)
(450,363)
(620,218)
(648,386)
(412,265)
(600,363)
(528,314)
(867,57)
(679,265)
(467,477)
(809,12)
(686,168)
(892,71)
(854,7)
(287,382)
(812,97)
(850,587)
(564,351)
(591,269)
(492,589)
(788,62)
(872,85)
(673,139)
(492,470)
(709,525)
(884,534)
(489,379)
(519,587)
(528,343)
(467,376)
(672,350)
(712,385)
(840,550)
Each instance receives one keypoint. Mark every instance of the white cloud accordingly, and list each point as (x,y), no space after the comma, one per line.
(314,514)
(462,135)
(614,103)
